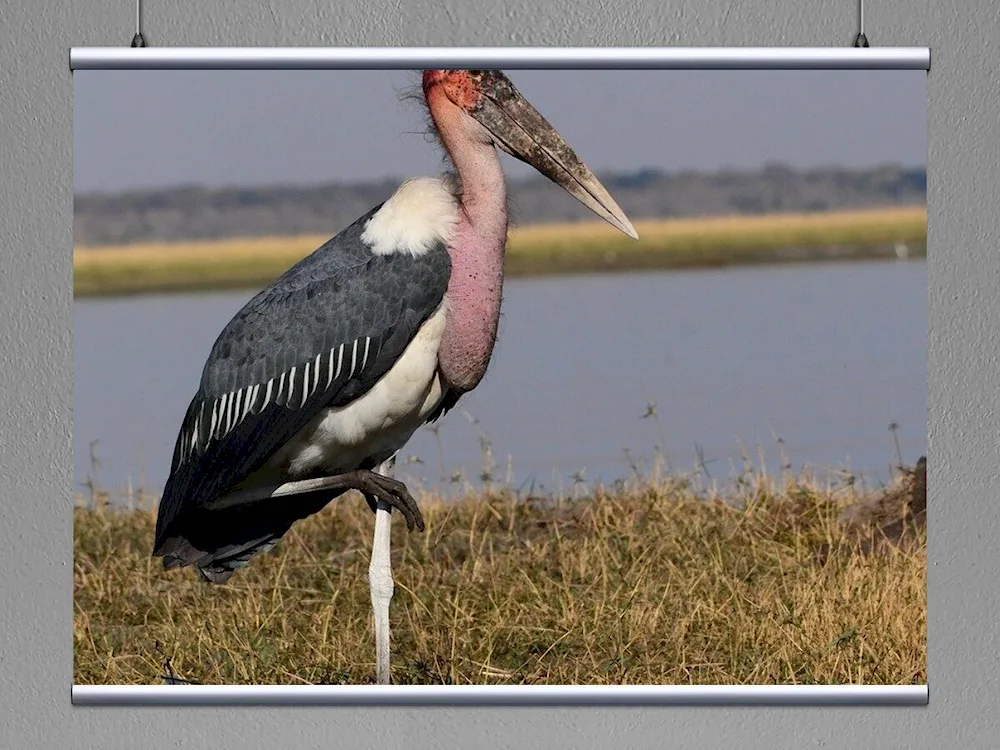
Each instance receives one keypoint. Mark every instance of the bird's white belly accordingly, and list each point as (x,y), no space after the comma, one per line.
(379,423)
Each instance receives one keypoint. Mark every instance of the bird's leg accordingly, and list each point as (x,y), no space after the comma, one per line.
(382,492)
(374,487)
(380,580)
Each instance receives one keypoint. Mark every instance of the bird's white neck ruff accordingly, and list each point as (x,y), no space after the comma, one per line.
(420,214)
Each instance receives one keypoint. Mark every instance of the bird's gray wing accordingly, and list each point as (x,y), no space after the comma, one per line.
(322,334)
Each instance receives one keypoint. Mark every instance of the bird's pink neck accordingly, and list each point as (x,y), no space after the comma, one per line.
(477,258)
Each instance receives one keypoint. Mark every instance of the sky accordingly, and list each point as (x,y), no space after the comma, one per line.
(152,129)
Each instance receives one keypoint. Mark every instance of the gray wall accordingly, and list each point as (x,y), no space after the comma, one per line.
(36,335)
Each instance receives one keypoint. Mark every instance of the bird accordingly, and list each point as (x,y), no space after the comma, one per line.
(321,378)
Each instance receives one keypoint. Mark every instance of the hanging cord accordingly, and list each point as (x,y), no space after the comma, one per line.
(138,40)
(861,40)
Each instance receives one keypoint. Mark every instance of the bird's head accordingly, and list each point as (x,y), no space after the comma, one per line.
(492,111)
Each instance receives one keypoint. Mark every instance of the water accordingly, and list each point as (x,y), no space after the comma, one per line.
(824,357)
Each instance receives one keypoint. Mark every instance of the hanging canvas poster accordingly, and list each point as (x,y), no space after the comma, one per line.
(462,377)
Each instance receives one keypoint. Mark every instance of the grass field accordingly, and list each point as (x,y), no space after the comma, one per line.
(654,583)
(534,250)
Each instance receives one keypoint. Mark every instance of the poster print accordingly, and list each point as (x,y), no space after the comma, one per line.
(651,363)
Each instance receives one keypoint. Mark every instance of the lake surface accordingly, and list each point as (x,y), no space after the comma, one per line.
(823,356)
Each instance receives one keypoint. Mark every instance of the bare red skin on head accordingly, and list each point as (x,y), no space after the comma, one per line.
(460,86)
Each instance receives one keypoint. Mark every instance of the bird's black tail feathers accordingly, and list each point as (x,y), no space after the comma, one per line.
(220,542)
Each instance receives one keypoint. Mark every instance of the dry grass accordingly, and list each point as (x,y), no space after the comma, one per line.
(645,585)
(531,251)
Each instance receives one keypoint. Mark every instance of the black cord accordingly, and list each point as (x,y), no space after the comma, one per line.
(861,40)
(138,40)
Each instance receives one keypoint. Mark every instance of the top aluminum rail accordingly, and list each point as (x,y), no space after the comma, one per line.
(511,58)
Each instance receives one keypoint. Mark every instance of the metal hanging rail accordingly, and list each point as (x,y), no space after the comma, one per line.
(511,58)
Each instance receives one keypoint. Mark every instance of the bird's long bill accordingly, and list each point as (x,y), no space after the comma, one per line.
(521,131)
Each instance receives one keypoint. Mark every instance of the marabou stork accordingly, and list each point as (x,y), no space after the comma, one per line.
(313,387)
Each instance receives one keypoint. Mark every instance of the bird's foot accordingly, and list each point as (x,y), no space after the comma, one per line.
(376,487)
(372,501)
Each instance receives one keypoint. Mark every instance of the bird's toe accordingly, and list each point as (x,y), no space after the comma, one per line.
(396,495)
